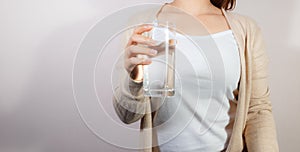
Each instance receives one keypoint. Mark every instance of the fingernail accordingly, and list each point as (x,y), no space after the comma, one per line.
(154,42)
(157,43)
(147,26)
(147,60)
(154,52)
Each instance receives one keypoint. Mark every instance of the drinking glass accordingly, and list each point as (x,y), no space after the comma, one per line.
(159,76)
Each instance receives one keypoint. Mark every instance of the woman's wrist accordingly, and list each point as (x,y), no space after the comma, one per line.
(137,74)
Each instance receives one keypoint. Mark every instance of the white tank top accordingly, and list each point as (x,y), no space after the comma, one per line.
(195,119)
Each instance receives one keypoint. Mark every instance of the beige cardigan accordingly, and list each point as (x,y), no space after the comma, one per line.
(253,129)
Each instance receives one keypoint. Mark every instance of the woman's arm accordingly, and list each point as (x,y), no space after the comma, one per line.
(260,132)
(129,101)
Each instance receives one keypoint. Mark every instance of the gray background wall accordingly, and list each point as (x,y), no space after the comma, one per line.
(39,39)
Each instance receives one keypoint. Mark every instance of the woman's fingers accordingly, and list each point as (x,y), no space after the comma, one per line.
(137,50)
(134,61)
(134,50)
(142,29)
(139,39)
(137,61)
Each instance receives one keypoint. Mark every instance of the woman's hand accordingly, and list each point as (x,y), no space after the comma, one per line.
(136,52)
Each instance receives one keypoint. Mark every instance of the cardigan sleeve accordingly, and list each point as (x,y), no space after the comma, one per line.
(128,99)
(260,132)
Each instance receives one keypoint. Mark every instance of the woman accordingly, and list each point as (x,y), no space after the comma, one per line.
(253,128)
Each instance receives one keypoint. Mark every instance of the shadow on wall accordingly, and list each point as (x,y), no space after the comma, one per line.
(279,21)
(46,118)
(52,119)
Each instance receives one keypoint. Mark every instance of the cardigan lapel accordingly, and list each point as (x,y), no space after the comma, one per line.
(239,122)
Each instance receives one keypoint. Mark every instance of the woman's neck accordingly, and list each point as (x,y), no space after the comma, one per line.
(196,7)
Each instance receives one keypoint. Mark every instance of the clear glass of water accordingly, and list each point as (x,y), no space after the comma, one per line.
(159,76)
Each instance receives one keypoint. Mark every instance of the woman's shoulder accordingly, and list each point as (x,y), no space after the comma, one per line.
(246,22)
(240,17)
